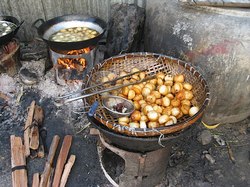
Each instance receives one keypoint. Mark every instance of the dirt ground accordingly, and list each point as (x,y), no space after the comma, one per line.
(191,164)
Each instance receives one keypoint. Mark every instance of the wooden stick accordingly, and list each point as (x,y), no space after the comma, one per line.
(93,131)
(35,182)
(62,159)
(43,135)
(52,149)
(50,179)
(40,153)
(230,153)
(49,162)
(26,128)
(45,175)
(18,162)
(34,131)
(67,170)
(34,136)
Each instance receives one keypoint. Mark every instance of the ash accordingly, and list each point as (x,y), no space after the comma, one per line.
(18,97)
(7,85)
(48,86)
(10,115)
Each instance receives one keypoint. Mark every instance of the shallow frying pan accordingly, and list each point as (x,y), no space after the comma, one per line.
(6,38)
(46,29)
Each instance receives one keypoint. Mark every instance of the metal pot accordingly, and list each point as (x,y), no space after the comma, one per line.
(6,38)
(46,28)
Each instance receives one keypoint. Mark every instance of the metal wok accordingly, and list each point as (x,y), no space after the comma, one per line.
(6,38)
(138,144)
(46,28)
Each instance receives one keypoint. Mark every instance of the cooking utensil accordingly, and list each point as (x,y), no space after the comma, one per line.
(153,63)
(6,38)
(66,98)
(46,28)
(113,103)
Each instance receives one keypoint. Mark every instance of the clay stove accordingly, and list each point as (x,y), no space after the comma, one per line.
(72,64)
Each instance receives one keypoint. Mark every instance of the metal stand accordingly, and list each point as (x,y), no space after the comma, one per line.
(141,170)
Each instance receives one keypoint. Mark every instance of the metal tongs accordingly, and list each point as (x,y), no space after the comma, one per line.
(67,98)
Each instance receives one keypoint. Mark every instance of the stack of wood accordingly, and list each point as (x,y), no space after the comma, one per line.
(58,176)
(33,139)
(34,146)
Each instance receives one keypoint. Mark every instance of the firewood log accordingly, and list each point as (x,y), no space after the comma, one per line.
(34,131)
(35,182)
(67,170)
(18,162)
(27,129)
(61,160)
(50,179)
(48,165)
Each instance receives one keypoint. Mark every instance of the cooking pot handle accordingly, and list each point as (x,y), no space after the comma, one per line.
(20,23)
(18,26)
(38,23)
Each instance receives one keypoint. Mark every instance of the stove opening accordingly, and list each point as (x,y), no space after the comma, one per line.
(73,64)
(113,164)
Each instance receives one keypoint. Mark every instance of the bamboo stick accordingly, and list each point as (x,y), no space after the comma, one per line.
(35,182)
(67,170)
(61,160)
(18,162)
(26,128)
(48,165)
